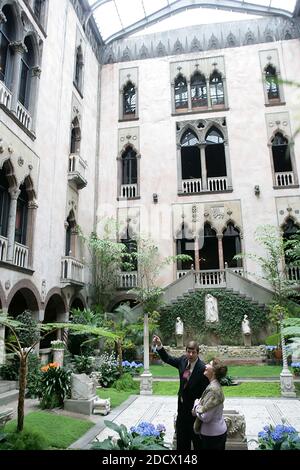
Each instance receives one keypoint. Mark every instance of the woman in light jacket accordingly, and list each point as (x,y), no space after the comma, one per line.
(209,409)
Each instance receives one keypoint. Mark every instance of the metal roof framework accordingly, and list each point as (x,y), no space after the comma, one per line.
(117,19)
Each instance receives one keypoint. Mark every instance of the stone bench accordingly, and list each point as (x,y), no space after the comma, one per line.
(5,416)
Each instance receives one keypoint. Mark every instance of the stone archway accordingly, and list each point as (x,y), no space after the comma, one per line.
(55,311)
(23,299)
(77,303)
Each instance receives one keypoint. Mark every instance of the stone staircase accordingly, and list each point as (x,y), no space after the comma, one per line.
(227,279)
(8,391)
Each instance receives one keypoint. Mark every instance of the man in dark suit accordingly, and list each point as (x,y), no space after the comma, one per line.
(192,385)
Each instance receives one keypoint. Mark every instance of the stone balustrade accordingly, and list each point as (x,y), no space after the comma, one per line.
(5,96)
(24,116)
(21,255)
(72,270)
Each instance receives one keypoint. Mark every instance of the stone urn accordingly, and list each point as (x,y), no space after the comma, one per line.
(58,356)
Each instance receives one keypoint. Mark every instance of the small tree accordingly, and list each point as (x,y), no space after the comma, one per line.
(272,264)
(108,257)
(150,265)
(15,345)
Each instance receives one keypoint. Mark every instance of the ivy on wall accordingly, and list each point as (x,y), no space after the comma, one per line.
(232,309)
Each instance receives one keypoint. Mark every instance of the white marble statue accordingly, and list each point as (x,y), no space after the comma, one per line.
(179,326)
(211,309)
(246,330)
(179,332)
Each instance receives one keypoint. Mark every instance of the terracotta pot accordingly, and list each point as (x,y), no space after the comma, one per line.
(278,353)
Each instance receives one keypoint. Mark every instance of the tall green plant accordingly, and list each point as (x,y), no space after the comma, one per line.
(15,345)
(270,238)
(108,258)
(150,263)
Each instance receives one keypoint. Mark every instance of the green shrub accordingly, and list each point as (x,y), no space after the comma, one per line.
(273,340)
(83,364)
(33,376)
(125,383)
(23,441)
(29,334)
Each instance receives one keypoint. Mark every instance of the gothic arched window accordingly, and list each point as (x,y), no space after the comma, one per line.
(181,95)
(272,85)
(21,216)
(129,99)
(27,63)
(7,35)
(216,88)
(231,245)
(198,90)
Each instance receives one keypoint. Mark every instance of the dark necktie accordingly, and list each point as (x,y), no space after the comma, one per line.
(186,374)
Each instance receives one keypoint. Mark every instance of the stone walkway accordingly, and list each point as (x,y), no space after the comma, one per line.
(161,409)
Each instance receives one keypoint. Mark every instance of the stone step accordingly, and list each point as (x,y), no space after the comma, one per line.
(8,397)
(7,385)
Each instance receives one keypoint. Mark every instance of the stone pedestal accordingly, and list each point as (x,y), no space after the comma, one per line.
(84,407)
(179,341)
(236,430)
(247,340)
(146,383)
(58,356)
(287,384)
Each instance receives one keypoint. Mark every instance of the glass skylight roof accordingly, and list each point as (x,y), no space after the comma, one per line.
(120,18)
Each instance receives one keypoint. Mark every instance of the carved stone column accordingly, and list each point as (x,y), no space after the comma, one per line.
(208,93)
(179,168)
(173,97)
(220,250)
(32,207)
(14,194)
(189,95)
(197,258)
(18,48)
(228,165)
(35,81)
(203,167)
(146,376)
(121,105)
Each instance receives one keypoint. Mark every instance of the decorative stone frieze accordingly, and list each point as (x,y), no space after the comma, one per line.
(130,135)
(288,206)
(201,38)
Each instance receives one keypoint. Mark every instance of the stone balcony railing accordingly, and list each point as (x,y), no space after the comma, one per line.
(192,186)
(76,170)
(293,272)
(285,178)
(21,255)
(23,115)
(3,248)
(128,280)
(128,191)
(5,96)
(72,270)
